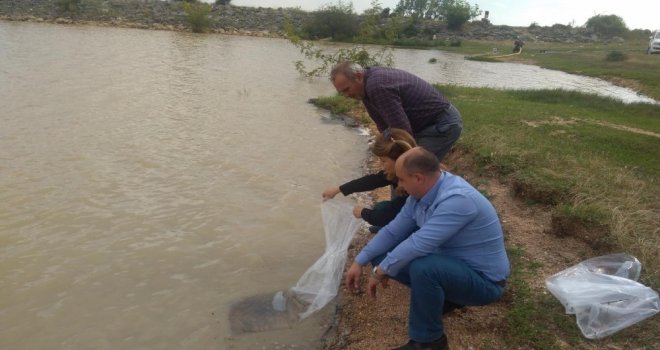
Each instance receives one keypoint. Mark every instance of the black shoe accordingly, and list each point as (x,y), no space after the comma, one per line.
(374,229)
(440,344)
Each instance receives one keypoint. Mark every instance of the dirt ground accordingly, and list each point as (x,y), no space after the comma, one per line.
(364,323)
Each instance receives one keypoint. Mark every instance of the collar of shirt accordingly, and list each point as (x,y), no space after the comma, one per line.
(430,196)
(365,76)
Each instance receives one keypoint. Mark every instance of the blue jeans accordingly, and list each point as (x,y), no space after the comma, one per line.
(437,282)
(440,137)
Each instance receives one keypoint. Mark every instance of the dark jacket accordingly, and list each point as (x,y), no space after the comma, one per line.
(382,212)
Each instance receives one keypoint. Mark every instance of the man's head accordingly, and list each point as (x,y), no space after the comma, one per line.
(348,79)
(417,170)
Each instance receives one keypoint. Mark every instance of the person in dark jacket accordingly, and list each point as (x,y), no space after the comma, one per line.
(387,147)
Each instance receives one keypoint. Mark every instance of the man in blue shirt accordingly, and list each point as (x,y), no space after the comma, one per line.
(397,99)
(456,257)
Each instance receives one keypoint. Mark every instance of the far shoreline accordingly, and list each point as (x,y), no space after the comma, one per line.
(614,80)
(136,25)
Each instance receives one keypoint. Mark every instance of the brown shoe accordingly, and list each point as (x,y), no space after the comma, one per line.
(440,344)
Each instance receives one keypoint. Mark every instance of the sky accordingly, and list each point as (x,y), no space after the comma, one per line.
(637,14)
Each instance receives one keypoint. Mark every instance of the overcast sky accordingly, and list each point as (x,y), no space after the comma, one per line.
(637,14)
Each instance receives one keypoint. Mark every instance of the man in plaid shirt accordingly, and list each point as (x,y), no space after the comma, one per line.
(397,99)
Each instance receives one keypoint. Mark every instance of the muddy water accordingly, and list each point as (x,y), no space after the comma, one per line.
(451,68)
(455,69)
(148,180)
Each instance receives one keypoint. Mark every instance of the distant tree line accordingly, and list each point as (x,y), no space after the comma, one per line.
(339,22)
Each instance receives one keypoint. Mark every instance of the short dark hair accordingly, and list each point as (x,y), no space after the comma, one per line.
(420,160)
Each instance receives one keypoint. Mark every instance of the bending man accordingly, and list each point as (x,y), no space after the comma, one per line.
(455,258)
(397,99)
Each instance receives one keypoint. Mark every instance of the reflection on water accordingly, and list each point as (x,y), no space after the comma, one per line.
(150,179)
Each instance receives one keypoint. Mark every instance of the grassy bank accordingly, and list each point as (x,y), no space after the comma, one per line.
(594,160)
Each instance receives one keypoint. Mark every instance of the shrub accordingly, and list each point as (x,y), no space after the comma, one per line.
(222,2)
(197,15)
(616,56)
(325,60)
(410,29)
(458,12)
(335,21)
(68,5)
(607,25)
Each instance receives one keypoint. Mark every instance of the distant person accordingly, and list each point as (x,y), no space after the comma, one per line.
(397,99)
(387,147)
(446,244)
(517,45)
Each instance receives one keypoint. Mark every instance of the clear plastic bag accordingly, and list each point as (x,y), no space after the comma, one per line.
(317,286)
(320,283)
(604,295)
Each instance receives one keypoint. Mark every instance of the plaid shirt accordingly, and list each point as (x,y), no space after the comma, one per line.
(398,99)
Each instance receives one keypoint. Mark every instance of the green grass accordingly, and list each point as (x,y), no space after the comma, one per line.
(575,151)
(537,320)
(595,159)
(568,149)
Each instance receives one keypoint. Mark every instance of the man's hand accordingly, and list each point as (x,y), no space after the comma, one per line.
(373,282)
(357,212)
(352,279)
(330,192)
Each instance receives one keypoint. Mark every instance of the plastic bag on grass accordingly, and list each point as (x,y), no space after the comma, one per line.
(604,295)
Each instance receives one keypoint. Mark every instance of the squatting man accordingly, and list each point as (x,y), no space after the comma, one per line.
(446,245)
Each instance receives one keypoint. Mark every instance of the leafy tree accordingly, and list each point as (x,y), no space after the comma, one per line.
(337,21)
(410,28)
(392,29)
(458,12)
(385,13)
(428,9)
(358,54)
(369,28)
(197,15)
(607,25)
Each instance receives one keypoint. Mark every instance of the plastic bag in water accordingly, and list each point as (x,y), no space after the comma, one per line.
(604,295)
(320,283)
(317,286)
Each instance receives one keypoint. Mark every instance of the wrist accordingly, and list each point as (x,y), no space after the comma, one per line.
(375,275)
